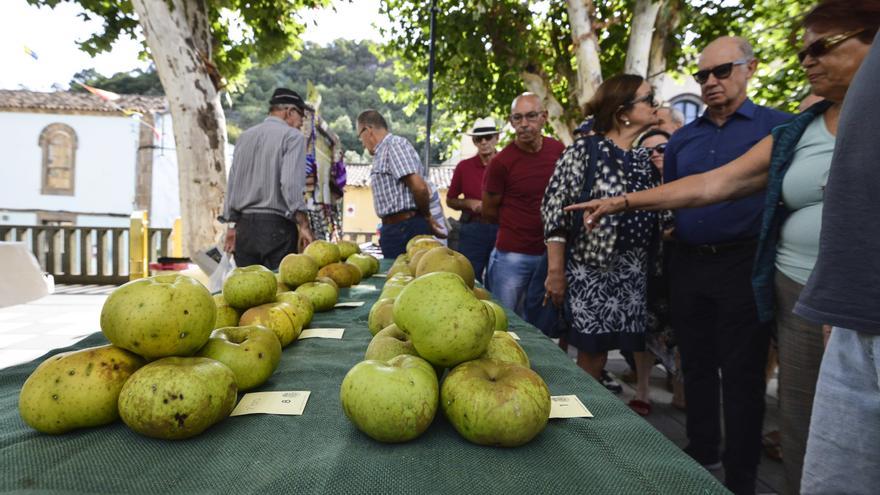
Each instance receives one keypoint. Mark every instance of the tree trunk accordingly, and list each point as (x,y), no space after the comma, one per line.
(178,35)
(586,49)
(555,113)
(640,33)
(668,19)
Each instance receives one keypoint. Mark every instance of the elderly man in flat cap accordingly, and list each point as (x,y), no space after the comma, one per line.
(476,237)
(264,204)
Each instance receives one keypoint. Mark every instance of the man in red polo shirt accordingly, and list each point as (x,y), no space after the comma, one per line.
(513,188)
(476,236)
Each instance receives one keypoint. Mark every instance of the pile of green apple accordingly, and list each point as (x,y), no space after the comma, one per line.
(201,349)
(429,318)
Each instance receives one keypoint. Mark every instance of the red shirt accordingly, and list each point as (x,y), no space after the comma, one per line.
(467,179)
(521,178)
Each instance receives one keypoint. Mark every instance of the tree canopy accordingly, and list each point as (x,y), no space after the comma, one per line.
(484,46)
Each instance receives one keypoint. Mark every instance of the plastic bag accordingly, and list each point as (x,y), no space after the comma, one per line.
(226,265)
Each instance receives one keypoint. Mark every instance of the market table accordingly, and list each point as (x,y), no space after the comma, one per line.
(322,452)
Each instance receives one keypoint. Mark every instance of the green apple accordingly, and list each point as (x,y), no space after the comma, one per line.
(501,322)
(413,263)
(394,285)
(381,315)
(375,262)
(447,324)
(165,315)
(347,248)
(443,259)
(323,252)
(364,262)
(323,296)
(252,353)
(278,317)
(491,402)
(356,274)
(227,316)
(328,280)
(297,269)
(482,293)
(400,266)
(282,287)
(176,398)
(338,273)
(250,286)
(423,241)
(505,348)
(391,401)
(77,389)
(303,311)
(389,342)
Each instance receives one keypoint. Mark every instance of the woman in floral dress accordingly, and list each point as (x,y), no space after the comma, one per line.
(601,277)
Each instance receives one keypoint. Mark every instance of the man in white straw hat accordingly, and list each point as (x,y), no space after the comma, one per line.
(476,237)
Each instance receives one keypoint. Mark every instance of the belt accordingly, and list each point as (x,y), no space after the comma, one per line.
(398,217)
(726,247)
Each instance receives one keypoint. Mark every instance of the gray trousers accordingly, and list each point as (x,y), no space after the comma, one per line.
(800,355)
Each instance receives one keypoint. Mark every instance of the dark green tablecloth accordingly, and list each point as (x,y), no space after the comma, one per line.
(321,452)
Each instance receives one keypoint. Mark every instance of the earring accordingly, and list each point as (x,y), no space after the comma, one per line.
(626,122)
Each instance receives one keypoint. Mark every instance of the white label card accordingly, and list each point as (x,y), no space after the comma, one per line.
(515,336)
(568,406)
(291,403)
(380,275)
(322,333)
(351,304)
(364,287)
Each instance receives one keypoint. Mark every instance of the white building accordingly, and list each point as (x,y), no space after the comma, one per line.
(74,159)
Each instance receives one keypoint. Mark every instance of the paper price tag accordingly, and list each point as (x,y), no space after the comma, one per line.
(352,304)
(291,403)
(568,406)
(515,336)
(380,275)
(364,287)
(322,333)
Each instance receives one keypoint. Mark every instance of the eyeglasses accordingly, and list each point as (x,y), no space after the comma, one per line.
(486,137)
(719,71)
(660,148)
(824,45)
(362,131)
(531,117)
(648,98)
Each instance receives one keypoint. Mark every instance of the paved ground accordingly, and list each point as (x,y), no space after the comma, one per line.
(30,330)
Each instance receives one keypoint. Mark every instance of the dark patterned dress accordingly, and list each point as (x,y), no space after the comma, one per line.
(606,269)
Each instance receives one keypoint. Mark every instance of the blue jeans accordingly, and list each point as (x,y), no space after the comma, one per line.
(476,241)
(393,238)
(843,449)
(508,277)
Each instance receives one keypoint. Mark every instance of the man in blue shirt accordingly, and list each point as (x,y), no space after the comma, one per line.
(711,300)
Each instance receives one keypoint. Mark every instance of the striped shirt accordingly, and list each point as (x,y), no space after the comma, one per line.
(394,159)
(268,172)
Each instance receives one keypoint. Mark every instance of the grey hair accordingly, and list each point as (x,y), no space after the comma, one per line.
(372,118)
(676,115)
(745,47)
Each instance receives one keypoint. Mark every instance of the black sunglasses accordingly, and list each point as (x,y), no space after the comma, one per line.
(722,71)
(660,148)
(824,45)
(485,137)
(648,98)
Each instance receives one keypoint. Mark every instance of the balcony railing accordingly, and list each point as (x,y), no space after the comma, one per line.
(85,255)
(98,255)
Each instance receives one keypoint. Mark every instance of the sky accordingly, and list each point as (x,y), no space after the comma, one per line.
(52,34)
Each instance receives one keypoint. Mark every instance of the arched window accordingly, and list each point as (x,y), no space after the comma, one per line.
(689,105)
(58,143)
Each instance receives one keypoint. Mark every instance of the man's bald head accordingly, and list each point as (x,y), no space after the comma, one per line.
(730,63)
(735,46)
(531,99)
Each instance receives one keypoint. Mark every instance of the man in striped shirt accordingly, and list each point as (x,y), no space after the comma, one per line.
(401,197)
(264,197)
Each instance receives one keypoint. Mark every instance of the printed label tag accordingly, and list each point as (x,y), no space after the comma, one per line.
(380,275)
(515,336)
(291,403)
(568,406)
(321,333)
(351,304)
(364,287)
